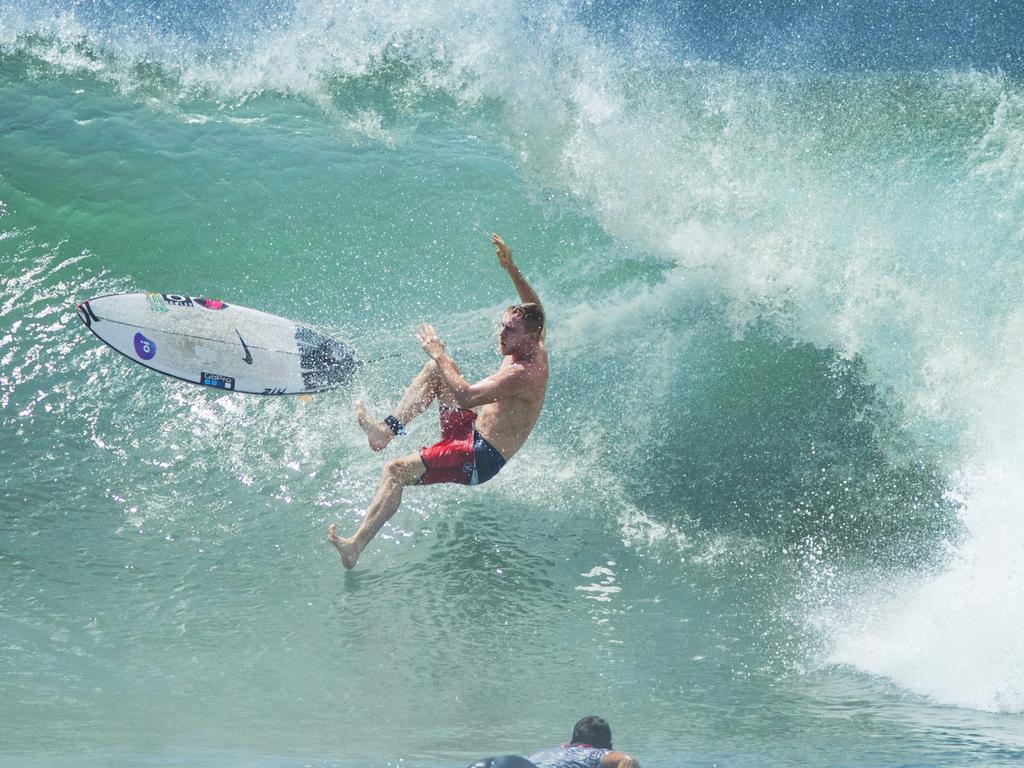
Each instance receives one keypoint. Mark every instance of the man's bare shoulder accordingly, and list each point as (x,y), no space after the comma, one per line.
(543,367)
(539,361)
(532,371)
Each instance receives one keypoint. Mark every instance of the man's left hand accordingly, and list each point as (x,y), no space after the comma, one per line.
(430,341)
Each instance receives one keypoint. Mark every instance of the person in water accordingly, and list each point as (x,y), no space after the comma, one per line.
(483,425)
(590,747)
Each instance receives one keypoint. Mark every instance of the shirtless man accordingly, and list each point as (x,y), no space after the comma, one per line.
(483,425)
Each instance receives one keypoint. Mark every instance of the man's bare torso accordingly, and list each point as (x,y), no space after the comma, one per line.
(507,423)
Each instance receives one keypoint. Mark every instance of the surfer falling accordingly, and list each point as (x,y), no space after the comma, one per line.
(482,424)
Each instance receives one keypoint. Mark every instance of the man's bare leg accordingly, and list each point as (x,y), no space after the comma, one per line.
(424,389)
(378,434)
(397,474)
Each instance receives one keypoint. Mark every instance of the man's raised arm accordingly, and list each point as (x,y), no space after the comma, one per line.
(526,293)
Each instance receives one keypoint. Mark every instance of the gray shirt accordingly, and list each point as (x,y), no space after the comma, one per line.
(569,756)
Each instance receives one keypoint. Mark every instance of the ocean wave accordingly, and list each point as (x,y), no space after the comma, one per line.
(856,233)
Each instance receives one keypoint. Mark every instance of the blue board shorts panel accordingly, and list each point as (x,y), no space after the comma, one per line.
(488,462)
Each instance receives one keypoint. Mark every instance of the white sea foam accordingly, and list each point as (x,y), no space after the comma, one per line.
(953,637)
(906,274)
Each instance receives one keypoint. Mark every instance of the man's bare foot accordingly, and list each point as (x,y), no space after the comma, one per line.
(346,547)
(377,433)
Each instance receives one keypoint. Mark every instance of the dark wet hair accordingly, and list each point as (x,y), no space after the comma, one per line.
(594,731)
(532,314)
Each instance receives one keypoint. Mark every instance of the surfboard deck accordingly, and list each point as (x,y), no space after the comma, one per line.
(215,344)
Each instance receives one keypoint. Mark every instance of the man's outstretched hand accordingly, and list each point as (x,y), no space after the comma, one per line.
(430,341)
(503,251)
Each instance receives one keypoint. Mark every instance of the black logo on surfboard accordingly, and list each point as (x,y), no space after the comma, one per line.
(217,380)
(248,355)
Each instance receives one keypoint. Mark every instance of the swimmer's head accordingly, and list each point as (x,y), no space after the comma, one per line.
(594,731)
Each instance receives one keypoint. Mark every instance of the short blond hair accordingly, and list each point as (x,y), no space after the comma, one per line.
(532,314)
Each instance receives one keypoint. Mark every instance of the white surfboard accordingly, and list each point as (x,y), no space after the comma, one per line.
(216,344)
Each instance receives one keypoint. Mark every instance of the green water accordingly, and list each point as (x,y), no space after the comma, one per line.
(768,450)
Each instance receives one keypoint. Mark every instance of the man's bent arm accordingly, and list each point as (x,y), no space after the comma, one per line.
(489,390)
(526,293)
(619,760)
(454,380)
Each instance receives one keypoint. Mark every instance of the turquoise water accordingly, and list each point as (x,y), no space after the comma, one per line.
(770,515)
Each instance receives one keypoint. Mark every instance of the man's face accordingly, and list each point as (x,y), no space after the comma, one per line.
(512,336)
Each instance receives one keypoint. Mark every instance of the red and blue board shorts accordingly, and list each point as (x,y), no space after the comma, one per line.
(463,455)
